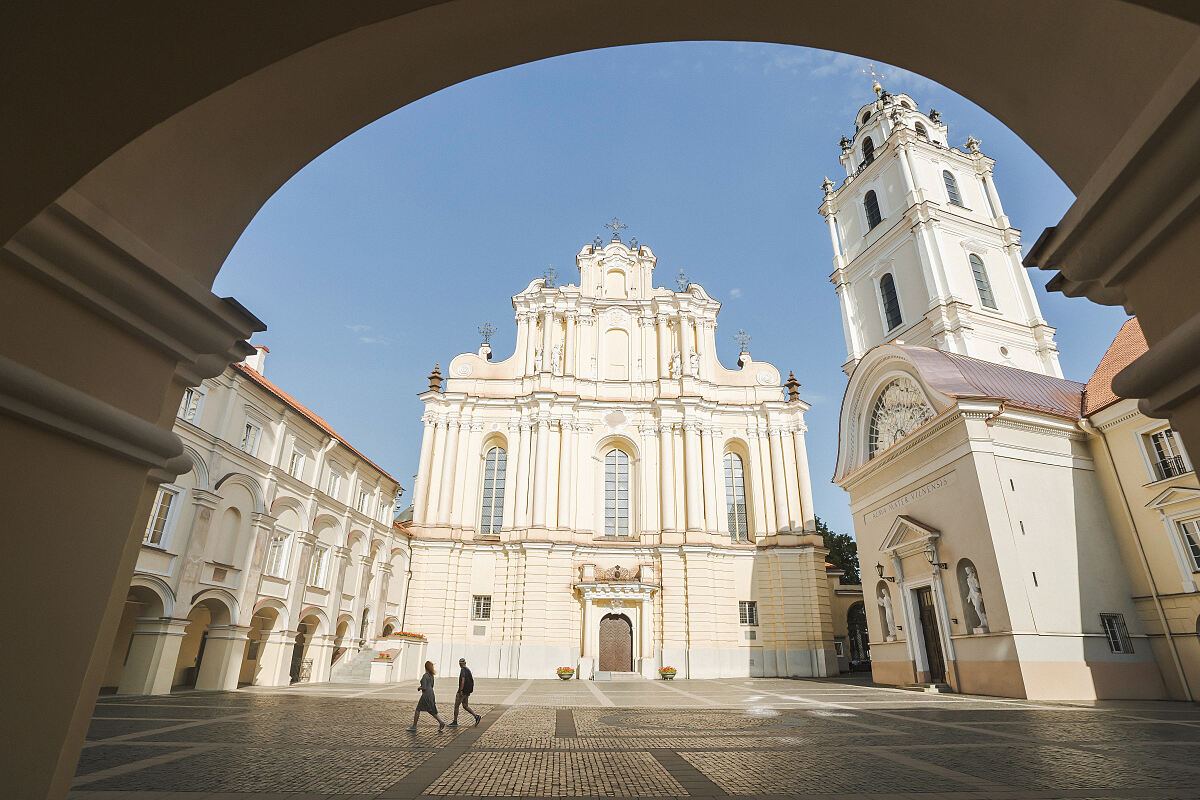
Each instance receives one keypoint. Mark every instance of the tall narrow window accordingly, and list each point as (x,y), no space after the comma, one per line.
(891,303)
(1166,455)
(296,467)
(277,554)
(334,485)
(156,529)
(363,499)
(1116,633)
(318,568)
(735,498)
(981,281)
(492,513)
(1191,541)
(189,407)
(924,134)
(616,493)
(250,436)
(868,151)
(871,204)
(951,188)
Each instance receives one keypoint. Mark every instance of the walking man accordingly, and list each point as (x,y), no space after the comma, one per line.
(466,685)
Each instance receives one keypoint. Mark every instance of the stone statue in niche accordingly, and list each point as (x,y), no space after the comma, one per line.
(975,598)
(694,363)
(556,359)
(676,364)
(885,602)
(537,359)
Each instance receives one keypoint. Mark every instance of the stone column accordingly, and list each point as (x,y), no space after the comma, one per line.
(321,652)
(693,486)
(530,321)
(666,475)
(275,657)
(521,498)
(150,665)
(510,479)
(361,602)
(447,490)
(778,479)
(566,459)
(547,337)
(224,652)
(790,469)
(465,514)
(646,627)
(421,490)
(687,343)
(589,623)
(540,469)
(648,486)
(807,513)
(569,354)
(664,345)
(709,478)
(756,491)
(195,546)
(719,499)
(433,479)
(342,556)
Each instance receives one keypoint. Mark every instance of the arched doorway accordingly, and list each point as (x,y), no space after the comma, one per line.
(856,632)
(203,664)
(143,607)
(616,644)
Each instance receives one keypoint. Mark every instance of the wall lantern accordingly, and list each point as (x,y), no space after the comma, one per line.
(931,556)
(879,569)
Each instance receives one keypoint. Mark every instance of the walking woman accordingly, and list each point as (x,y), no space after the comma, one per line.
(427,703)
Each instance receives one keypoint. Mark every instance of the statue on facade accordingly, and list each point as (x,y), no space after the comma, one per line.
(885,602)
(975,596)
(556,358)
(537,359)
(676,364)
(694,363)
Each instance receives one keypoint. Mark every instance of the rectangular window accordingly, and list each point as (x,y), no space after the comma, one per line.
(250,436)
(481,606)
(748,612)
(1115,632)
(156,529)
(839,647)
(277,555)
(361,505)
(334,485)
(1191,541)
(318,570)
(296,466)
(189,407)
(1166,455)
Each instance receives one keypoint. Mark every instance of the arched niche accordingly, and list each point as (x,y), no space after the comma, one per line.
(971,593)
(888,610)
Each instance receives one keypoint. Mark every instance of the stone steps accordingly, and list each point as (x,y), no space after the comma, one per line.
(355,668)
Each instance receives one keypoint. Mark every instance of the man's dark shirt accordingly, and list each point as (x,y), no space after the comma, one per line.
(466,681)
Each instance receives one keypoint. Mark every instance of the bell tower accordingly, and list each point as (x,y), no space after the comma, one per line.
(922,249)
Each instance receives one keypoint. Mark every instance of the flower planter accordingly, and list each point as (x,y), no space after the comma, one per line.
(668,676)
(566,676)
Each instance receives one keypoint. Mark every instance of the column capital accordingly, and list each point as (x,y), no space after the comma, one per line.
(205,499)
(340,552)
(262,521)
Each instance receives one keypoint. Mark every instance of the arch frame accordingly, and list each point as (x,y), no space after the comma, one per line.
(155,584)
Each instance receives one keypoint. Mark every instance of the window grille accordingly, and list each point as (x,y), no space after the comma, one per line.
(891,302)
(616,493)
(871,204)
(951,188)
(735,498)
(748,612)
(492,510)
(157,527)
(1116,633)
(481,606)
(981,281)
(1166,455)
(1191,540)
(250,437)
(868,151)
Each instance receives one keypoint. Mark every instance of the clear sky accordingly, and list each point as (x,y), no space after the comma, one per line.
(385,254)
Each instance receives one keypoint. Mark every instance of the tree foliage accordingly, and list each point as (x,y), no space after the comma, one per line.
(843,552)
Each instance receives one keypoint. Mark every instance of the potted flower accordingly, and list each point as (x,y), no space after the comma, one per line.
(666,673)
(565,673)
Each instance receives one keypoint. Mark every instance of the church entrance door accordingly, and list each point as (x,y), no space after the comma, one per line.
(616,644)
(929,632)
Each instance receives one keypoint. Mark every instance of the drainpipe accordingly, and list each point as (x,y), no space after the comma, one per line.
(1087,427)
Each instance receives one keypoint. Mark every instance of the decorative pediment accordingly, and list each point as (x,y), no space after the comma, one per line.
(1173,495)
(908,535)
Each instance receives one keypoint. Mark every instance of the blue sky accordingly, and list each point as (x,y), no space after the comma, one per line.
(386,253)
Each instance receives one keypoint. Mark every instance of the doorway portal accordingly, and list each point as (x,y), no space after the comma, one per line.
(929,633)
(616,643)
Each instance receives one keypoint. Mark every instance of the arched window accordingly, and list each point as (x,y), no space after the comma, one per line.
(616,493)
(871,204)
(951,188)
(866,116)
(924,134)
(906,104)
(981,282)
(492,511)
(735,498)
(868,151)
(891,303)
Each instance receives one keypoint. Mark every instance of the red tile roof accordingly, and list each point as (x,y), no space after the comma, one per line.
(1127,346)
(304,411)
(965,377)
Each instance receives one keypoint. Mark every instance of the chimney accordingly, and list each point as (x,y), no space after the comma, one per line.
(258,361)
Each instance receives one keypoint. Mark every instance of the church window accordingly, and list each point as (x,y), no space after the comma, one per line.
(735,498)
(1191,541)
(748,612)
(951,188)
(251,433)
(1116,633)
(156,529)
(616,493)
(296,466)
(900,410)
(906,104)
(868,150)
(318,569)
(492,512)
(277,554)
(481,606)
(924,134)
(871,204)
(866,116)
(189,407)
(891,303)
(981,281)
(1166,456)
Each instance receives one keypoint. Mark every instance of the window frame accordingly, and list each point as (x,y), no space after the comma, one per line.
(953,192)
(1190,541)
(250,444)
(168,519)
(868,151)
(318,567)
(748,613)
(1112,625)
(193,399)
(363,501)
(281,543)
(982,282)
(333,483)
(731,497)
(620,459)
(871,195)
(296,464)
(481,607)
(888,327)
(491,498)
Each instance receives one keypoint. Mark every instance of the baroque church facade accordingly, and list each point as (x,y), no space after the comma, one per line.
(611,496)
(983,499)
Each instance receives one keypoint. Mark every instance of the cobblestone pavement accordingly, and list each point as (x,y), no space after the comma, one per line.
(762,738)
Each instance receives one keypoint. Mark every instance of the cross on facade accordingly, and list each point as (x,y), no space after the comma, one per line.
(743,340)
(616,226)
(486,330)
(876,77)
(551,276)
(682,281)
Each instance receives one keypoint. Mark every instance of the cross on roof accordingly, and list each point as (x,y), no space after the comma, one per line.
(682,281)
(877,77)
(551,275)
(616,226)
(743,340)
(486,330)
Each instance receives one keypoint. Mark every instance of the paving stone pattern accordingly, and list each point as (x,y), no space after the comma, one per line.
(764,738)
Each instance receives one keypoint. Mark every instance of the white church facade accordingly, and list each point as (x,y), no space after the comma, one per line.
(612,497)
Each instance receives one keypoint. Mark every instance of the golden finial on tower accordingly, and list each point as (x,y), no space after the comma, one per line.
(876,77)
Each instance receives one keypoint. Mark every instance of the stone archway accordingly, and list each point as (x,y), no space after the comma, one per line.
(616,644)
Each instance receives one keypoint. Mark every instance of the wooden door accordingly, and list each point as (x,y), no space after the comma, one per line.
(931,635)
(616,644)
